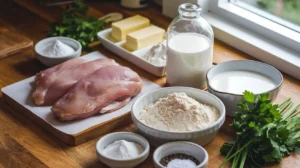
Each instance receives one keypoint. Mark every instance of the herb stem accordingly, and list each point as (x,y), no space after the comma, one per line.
(285,103)
(226,160)
(294,114)
(290,111)
(236,158)
(228,154)
(283,107)
(243,159)
(254,160)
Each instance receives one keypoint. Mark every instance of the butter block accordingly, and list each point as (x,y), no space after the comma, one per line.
(121,28)
(144,37)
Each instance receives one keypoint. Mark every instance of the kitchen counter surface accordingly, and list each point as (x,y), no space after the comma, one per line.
(24,144)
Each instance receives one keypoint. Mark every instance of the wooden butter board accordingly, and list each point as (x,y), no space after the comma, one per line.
(12,42)
(18,96)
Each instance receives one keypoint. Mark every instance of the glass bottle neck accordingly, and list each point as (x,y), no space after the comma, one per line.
(189,11)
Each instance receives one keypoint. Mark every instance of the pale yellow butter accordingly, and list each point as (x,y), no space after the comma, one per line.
(121,28)
(144,37)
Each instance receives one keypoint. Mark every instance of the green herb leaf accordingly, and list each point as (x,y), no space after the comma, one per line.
(264,97)
(249,96)
(76,25)
(265,132)
(251,124)
(226,147)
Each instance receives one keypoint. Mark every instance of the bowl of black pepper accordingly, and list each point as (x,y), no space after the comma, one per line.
(180,153)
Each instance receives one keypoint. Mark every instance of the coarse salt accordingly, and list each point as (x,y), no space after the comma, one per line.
(180,163)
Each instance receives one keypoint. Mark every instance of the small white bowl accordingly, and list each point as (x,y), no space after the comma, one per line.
(183,147)
(230,99)
(122,163)
(157,137)
(51,61)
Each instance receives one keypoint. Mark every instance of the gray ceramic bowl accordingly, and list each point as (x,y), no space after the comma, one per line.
(157,137)
(51,61)
(122,163)
(230,99)
(187,148)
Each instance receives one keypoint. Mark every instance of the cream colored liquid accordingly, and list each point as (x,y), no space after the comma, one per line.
(189,56)
(238,81)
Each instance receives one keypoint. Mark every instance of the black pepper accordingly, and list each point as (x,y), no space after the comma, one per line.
(165,160)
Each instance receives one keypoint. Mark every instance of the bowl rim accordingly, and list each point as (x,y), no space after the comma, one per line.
(40,43)
(220,120)
(144,153)
(241,95)
(205,161)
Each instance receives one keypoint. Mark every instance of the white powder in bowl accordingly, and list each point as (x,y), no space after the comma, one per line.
(58,49)
(178,113)
(180,163)
(123,149)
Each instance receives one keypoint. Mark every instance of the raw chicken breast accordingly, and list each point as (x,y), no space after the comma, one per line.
(63,66)
(105,90)
(53,86)
(115,106)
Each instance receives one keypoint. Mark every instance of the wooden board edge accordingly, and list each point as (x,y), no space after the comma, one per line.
(103,128)
(17,49)
(67,138)
(71,139)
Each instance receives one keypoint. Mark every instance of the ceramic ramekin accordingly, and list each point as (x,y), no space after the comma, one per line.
(122,163)
(230,99)
(157,137)
(51,61)
(183,147)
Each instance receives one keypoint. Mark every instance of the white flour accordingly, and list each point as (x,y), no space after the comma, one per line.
(58,49)
(179,113)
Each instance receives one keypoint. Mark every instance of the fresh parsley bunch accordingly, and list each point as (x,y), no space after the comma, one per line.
(75,24)
(265,132)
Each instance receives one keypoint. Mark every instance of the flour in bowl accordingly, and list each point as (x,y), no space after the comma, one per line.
(178,113)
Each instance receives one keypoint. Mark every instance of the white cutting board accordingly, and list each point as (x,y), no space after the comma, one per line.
(21,92)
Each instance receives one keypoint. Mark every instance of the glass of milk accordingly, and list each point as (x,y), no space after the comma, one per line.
(189,48)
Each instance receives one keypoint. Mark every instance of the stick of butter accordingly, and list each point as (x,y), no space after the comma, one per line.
(144,37)
(121,28)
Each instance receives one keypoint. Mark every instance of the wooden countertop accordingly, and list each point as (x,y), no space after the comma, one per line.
(24,144)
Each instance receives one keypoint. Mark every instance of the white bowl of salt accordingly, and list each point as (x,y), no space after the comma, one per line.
(55,50)
(122,149)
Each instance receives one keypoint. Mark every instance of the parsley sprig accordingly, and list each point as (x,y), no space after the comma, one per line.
(265,132)
(75,24)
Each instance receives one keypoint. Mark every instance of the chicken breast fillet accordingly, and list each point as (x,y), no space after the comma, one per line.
(54,85)
(105,90)
(63,66)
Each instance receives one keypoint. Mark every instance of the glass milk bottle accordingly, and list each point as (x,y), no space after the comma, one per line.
(190,42)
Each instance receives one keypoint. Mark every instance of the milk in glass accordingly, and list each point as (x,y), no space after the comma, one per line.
(189,48)
(189,58)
